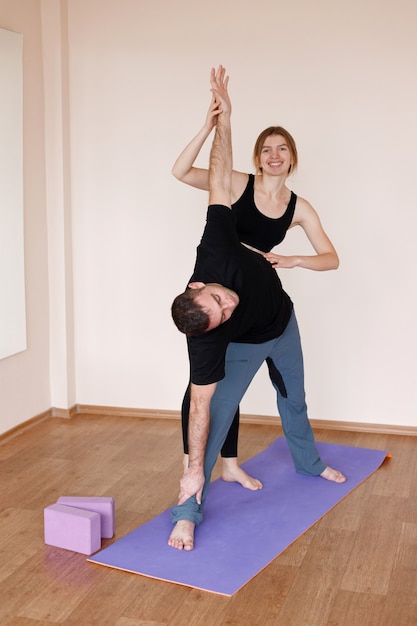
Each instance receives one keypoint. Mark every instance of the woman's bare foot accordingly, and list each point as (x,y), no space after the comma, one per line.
(182,536)
(233,473)
(334,475)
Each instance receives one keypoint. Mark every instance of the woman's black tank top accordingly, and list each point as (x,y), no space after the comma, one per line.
(256,229)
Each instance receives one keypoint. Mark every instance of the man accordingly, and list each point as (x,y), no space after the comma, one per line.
(235,314)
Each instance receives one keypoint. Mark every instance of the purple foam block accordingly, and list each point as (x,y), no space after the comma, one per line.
(99,504)
(72,529)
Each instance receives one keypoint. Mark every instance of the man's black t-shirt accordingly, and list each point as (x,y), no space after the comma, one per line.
(264,308)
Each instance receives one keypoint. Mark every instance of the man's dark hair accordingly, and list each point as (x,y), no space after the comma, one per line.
(187,314)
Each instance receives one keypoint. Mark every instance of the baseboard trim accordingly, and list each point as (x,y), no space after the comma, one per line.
(64,413)
(88,409)
(28,424)
(266,420)
(38,419)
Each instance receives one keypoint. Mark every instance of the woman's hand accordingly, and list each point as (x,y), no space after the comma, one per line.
(280,261)
(212,113)
(319,262)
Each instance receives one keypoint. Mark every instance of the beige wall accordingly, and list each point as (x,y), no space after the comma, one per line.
(131,92)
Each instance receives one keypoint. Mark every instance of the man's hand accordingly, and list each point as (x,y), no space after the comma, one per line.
(219,82)
(191,484)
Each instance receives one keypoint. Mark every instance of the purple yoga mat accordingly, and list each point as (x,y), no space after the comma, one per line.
(243,530)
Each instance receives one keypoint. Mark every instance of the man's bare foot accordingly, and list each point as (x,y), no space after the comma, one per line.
(182,536)
(334,475)
(233,473)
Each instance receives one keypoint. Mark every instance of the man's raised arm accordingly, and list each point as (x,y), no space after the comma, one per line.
(221,162)
(220,181)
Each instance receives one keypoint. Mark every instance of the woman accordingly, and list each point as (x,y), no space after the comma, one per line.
(265,209)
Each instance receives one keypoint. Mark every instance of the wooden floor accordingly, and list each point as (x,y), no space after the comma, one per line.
(356,567)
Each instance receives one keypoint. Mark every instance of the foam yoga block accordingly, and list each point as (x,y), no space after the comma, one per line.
(72,529)
(100,504)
